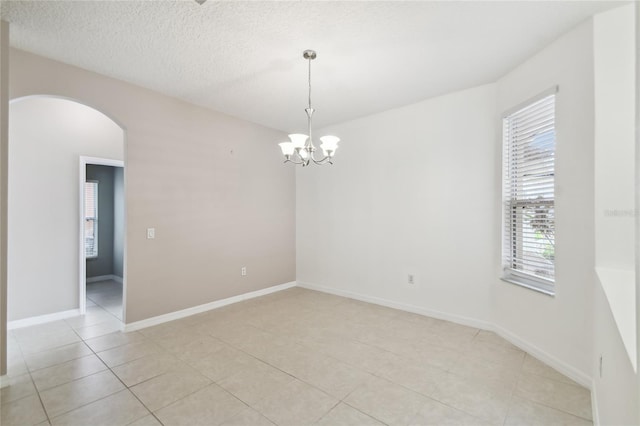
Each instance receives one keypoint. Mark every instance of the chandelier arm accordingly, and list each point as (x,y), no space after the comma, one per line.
(299,159)
(325,159)
(293,153)
(288,160)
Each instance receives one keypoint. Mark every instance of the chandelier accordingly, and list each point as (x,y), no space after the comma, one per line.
(300,148)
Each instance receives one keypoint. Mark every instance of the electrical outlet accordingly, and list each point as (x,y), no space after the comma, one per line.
(410,279)
(151,233)
(243,271)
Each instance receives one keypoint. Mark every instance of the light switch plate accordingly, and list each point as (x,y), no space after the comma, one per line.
(151,233)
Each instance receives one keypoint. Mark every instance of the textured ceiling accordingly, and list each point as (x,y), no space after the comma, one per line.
(245,58)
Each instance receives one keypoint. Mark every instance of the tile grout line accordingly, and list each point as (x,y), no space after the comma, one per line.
(117,377)
(520,375)
(46,413)
(80,378)
(128,388)
(105,309)
(366,414)
(375,374)
(275,367)
(512,393)
(297,378)
(325,414)
(83,341)
(340,400)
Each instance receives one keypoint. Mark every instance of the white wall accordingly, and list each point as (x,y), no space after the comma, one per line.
(47,136)
(560,326)
(617,394)
(417,190)
(119,214)
(213,186)
(614,299)
(412,191)
(4,145)
(614,65)
(614,61)
(637,204)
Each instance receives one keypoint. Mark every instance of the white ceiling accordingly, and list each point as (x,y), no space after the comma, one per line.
(244,58)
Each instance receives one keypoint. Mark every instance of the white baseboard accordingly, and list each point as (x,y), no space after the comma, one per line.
(204,308)
(458,319)
(562,367)
(104,278)
(4,381)
(41,319)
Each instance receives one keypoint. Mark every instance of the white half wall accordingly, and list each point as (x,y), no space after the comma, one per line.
(614,66)
(412,191)
(47,136)
(615,309)
(614,383)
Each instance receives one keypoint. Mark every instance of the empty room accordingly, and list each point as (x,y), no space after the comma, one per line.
(290,213)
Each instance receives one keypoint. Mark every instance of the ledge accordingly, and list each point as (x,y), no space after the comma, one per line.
(619,286)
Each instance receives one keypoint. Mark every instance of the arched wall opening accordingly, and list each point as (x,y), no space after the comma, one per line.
(48,135)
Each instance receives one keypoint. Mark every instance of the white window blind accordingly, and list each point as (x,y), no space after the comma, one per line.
(91,218)
(529,143)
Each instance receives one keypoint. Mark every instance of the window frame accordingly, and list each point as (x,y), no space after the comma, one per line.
(94,218)
(508,272)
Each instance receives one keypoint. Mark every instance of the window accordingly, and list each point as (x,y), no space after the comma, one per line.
(91,219)
(529,144)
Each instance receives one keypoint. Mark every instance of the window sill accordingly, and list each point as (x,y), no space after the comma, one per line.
(619,288)
(526,283)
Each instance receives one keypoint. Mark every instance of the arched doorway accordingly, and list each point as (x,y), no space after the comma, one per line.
(48,136)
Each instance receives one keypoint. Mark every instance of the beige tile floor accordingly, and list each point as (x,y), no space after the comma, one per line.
(108,295)
(296,357)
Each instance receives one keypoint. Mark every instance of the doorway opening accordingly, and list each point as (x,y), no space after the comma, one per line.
(102,217)
(45,235)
